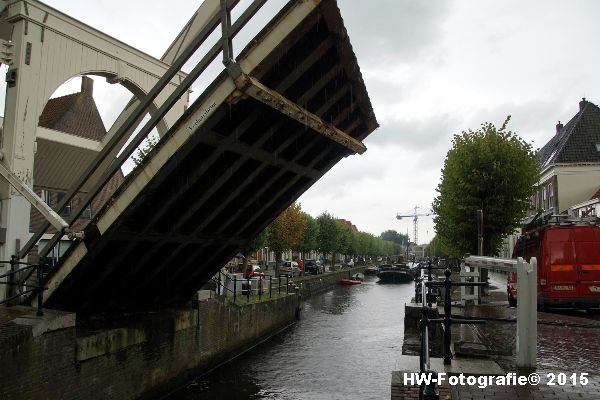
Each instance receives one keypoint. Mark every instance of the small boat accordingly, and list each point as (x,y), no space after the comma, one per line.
(350,281)
(358,276)
(399,273)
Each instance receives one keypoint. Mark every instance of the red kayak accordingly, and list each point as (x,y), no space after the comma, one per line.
(348,282)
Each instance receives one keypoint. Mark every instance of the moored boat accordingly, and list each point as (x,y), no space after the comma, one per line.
(350,281)
(399,273)
(371,270)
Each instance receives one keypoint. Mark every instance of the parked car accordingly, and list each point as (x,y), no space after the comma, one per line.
(290,268)
(313,267)
(252,271)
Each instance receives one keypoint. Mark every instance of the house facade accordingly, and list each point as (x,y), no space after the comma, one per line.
(569,166)
(570,163)
(64,120)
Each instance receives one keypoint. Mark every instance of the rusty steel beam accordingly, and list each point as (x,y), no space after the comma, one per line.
(253,88)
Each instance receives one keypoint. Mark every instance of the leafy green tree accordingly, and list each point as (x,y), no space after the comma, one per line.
(393,236)
(285,232)
(328,234)
(344,235)
(436,248)
(144,150)
(309,241)
(490,169)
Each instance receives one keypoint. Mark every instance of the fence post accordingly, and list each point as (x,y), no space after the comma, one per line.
(526,313)
(248,290)
(10,287)
(219,290)
(447,317)
(40,289)
(270,286)
(234,288)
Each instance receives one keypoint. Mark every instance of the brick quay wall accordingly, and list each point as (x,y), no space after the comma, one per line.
(140,357)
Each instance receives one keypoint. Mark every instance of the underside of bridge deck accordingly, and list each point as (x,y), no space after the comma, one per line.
(235,160)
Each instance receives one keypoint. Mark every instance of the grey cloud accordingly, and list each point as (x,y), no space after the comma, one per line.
(390,29)
(414,134)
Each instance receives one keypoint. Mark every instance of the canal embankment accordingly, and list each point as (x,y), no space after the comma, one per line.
(61,356)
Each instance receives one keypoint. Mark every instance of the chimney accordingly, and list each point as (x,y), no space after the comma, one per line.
(582,104)
(559,127)
(87,86)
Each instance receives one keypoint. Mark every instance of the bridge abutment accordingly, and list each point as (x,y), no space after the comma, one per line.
(139,356)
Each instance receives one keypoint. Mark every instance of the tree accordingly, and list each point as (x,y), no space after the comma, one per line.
(309,241)
(285,232)
(490,169)
(327,237)
(143,151)
(393,236)
(344,238)
(436,248)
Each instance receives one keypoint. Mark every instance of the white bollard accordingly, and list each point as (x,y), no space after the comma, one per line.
(526,313)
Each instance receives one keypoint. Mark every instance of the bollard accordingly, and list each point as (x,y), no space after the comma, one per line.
(260,279)
(234,288)
(279,284)
(287,284)
(270,286)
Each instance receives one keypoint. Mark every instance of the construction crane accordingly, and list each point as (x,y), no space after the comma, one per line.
(415,216)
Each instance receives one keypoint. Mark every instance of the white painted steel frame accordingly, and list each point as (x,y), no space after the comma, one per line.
(526,303)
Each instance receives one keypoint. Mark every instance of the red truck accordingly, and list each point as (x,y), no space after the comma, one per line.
(568,256)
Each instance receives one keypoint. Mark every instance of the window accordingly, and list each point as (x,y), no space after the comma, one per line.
(598,147)
(66,211)
(545,198)
(45,195)
(87,212)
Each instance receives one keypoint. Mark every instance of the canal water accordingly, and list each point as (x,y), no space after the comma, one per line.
(345,346)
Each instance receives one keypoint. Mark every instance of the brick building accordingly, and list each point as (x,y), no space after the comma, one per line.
(570,162)
(74,117)
(569,168)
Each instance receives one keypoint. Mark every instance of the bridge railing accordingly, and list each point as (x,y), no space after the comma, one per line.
(220,17)
(18,287)
(234,286)
(427,297)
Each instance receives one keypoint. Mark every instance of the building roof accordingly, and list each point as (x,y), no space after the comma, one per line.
(75,113)
(576,142)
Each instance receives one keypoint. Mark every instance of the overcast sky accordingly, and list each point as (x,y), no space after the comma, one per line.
(432,69)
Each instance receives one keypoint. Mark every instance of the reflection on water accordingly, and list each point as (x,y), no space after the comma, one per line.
(344,347)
